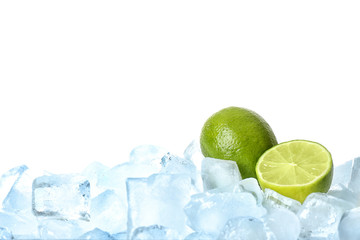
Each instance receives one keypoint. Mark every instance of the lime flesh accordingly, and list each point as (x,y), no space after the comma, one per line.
(295,169)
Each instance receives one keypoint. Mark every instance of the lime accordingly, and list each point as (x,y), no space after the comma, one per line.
(237,134)
(295,169)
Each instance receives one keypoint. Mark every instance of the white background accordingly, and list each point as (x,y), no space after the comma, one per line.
(84,81)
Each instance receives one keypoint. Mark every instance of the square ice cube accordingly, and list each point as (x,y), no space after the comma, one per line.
(61,196)
(159,200)
(218,173)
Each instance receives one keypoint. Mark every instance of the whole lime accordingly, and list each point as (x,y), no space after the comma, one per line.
(237,134)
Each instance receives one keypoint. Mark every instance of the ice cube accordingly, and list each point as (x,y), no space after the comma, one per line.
(193,153)
(320,215)
(274,200)
(354,183)
(109,212)
(172,164)
(62,229)
(283,223)
(199,235)
(158,199)
(61,196)
(8,179)
(120,236)
(92,173)
(217,173)
(244,228)
(342,192)
(349,226)
(147,154)
(21,226)
(5,234)
(154,232)
(342,173)
(208,212)
(97,234)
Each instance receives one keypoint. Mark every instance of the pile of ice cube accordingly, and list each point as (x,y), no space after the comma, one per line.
(157,195)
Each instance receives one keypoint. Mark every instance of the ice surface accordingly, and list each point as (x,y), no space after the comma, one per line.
(93,172)
(147,154)
(172,164)
(354,183)
(62,229)
(245,228)
(342,173)
(97,234)
(108,212)
(61,196)
(283,223)
(8,179)
(193,153)
(320,215)
(154,232)
(21,226)
(274,200)
(349,226)
(208,212)
(5,234)
(217,173)
(199,235)
(159,200)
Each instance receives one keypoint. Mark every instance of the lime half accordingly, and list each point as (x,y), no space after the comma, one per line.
(295,169)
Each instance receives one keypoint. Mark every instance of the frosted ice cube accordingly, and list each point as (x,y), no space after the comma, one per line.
(217,173)
(97,234)
(108,212)
(283,223)
(349,226)
(354,183)
(342,173)
(274,200)
(21,226)
(244,228)
(199,235)
(147,154)
(158,199)
(92,173)
(342,192)
(320,215)
(172,164)
(8,179)
(61,196)
(154,232)
(208,212)
(193,153)
(5,234)
(62,229)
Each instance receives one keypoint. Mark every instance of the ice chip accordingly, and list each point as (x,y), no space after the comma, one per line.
(354,183)
(108,212)
(320,215)
(349,226)
(159,200)
(208,212)
(244,228)
(274,200)
(61,196)
(217,173)
(93,173)
(5,234)
(62,229)
(147,154)
(97,234)
(283,223)
(154,232)
(21,226)
(342,173)
(8,179)
(193,153)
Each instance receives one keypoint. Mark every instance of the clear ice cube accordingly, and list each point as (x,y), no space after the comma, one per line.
(218,173)
(283,223)
(147,154)
(158,199)
(62,229)
(342,192)
(109,212)
(154,232)
(342,173)
(320,215)
(208,212)
(8,179)
(172,164)
(61,196)
(349,226)
(120,236)
(274,200)
(244,228)
(97,234)
(193,153)
(93,173)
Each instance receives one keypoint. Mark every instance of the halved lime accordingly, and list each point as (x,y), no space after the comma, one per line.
(295,169)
